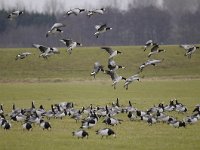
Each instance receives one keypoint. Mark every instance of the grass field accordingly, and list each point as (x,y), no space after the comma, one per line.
(66,78)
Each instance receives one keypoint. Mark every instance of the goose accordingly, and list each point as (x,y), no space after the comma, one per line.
(1,109)
(190,51)
(115,77)
(18,118)
(130,80)
(46,51)
(55,29)
(97,67)
(177,124)
(6,125)
(186,46)
(22,55)
(15,14)
(41,111)
(131,115)
(75,11)
(130,107)
(197,108)
(111,52)
(96,11)
(77,116)
(101,29)
(112,66)
(70,44)
(45,125)
(155,49)
(105,132)
(111,121)
(149,43)
(27,126)
(152,62)
(80,134)
(90,122)
(191,120)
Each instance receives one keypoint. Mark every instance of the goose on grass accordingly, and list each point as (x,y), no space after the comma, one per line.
(22,55)
(106,132)
(80,134)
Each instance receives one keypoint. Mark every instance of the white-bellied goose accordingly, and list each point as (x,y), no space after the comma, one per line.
(55,29)
(22,55)
(97,67)
(111,52)
(75,11)
(101,29)
(70,44)
(15,14)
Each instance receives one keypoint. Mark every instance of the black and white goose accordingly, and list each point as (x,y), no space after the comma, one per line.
(96,11)
(177,124)
(105,132)
(111,51)
(149,43)
(152,62)
(130,80)
(75,11)
(155,50)
(115,77)
(6,125)
(22,55)
(190,51)
(70,44)
(46,51)
(55,29)
(101,29)
(97,67)
(80,134)
(45,125)
(27,126)
(90,122)
(15,14)
(113,66)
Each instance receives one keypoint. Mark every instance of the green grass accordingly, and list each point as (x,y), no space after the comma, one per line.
(66,78)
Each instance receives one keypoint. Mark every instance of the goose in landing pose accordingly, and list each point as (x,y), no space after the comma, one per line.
(101,29)
(111,52)
(115,77)
(130,80)
(113,66)
(155,49)
(70,44)
(97,67)
(149,62)
(149,43)
(190,51)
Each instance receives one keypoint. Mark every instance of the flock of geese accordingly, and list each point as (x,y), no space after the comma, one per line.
(89,116)
(100,29)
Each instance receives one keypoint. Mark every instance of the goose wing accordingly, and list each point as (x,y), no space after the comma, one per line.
(154,48)
(67,42)
(42,48)
(111,64)
(57,25)
(108,49)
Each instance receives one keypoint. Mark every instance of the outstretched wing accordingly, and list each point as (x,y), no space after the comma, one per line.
(42,48)
(108,49)
(57,25)
(67,42)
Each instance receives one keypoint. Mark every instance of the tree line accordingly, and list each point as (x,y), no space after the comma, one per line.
(132,27)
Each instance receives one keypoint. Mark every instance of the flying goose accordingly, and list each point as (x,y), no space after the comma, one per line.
(97,67)
(113,66)
(96,11)
(130,80)
(115,77)
(22,55)
(150,62)
(70,44)
(101,29)
(55,29)
(75,11)
(149,43)
(111,52)
(15,14)
(46,51)
(155,49)
(190,51)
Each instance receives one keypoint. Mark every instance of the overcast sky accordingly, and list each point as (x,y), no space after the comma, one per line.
(42,6)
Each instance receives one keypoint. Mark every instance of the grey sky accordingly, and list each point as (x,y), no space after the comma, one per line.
(43,6)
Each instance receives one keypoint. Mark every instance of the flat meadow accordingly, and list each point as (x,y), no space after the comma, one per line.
(66,78)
